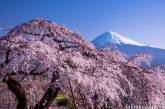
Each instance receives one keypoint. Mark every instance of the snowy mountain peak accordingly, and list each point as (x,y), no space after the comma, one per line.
(113,38)
(121,39)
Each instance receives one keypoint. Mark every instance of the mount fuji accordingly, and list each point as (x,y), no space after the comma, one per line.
(114,41)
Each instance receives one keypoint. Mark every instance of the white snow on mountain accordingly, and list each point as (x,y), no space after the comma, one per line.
(113,38)
(122,39)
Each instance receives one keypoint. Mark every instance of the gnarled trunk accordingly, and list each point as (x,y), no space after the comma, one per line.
(18,90)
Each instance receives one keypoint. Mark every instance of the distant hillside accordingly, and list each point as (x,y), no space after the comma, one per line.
(114,41)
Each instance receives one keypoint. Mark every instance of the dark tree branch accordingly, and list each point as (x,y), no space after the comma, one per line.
(70,85)
(54,38)
(49,95)
(47,99)
(7,56)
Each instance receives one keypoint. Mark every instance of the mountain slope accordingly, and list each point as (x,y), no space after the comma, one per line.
(111,40)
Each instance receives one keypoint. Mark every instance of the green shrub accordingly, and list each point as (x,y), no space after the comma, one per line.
(61,101)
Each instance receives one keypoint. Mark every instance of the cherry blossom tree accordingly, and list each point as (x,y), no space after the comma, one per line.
(139,59)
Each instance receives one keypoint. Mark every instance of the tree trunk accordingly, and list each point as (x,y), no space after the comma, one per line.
(18,90)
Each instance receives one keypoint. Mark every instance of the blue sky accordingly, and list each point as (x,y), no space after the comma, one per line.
(141,20)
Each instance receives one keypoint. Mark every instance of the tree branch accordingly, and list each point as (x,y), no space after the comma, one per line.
(49,95)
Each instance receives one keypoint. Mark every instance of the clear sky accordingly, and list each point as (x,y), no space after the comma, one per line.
(140,20)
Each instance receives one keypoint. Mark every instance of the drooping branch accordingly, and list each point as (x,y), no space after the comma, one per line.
(51,34)
(18,90)
(72,94)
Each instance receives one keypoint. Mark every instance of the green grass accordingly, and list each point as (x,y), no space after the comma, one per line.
(63,100)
